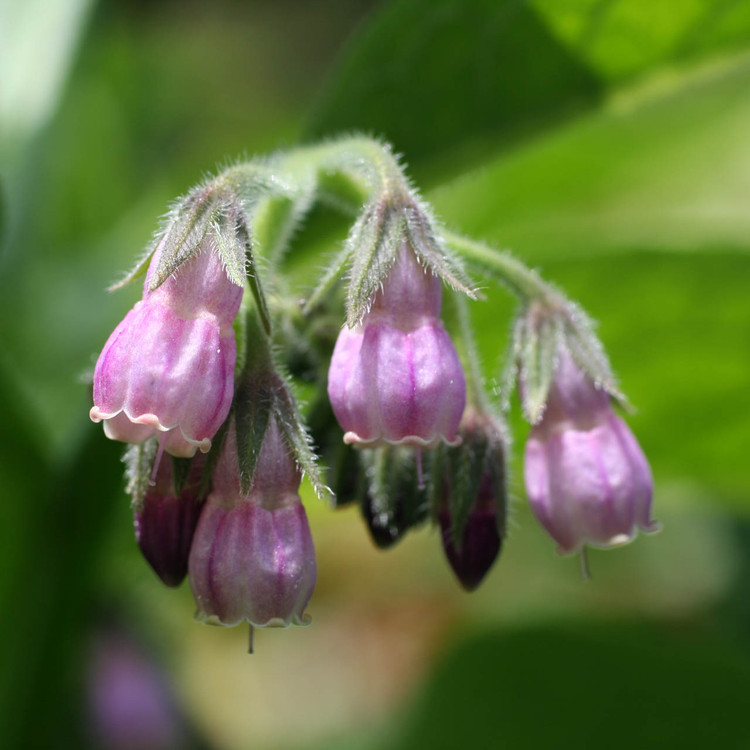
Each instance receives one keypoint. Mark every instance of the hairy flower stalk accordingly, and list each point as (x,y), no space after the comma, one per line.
(168,367)
(252,557)
(586,477)
(396,377)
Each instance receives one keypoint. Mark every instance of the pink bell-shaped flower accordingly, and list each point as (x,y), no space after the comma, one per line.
(586,477)
(168,367)
(252,557)
(396,378)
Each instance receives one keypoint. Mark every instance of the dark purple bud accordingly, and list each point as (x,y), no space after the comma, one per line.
(474,507)
(165,521)
(480,542)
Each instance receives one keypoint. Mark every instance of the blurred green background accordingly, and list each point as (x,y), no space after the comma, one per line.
(608,143)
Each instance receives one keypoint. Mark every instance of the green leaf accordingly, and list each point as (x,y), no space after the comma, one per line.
(663,167)
(436,75)
(602,683)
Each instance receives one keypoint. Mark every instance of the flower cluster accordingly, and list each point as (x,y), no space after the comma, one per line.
(196,378)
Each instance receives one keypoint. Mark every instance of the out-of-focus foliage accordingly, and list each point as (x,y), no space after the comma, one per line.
(606,142)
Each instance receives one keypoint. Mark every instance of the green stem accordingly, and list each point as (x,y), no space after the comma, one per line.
(367,162)
(475,381)
(523,281)
(458,309)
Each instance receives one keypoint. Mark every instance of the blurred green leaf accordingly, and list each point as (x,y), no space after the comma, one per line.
(432,75)
(588,685)
(665,166)
(442,76)
(40,37)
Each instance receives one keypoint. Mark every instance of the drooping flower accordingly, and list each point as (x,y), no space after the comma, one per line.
(168,367)
(252,557)
(396,378)
(165,521)
(586,477)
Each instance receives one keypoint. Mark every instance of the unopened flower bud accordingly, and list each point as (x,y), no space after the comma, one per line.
(168,367)
(586,477)
(396,378)
(480,542)
(473,512)
(386,525)
(252,557)
(165,521)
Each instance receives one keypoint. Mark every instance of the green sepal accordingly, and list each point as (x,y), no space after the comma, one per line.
(253,404)
(212,457)
(425,240)
(588,352)
(189,223)
(536,337)
(262,393)
(480,457)
(374,242)
(298,439)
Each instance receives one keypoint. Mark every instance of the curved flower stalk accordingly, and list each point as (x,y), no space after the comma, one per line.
(252,557)
(396,377)
(586,477)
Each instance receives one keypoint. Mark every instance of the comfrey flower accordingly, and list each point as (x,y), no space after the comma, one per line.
(165,520)
(396,377)
(252,557)
(168,367)
(586,477)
